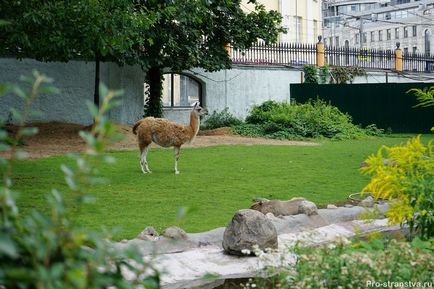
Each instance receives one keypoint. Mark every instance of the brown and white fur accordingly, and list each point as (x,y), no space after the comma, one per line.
(166,134)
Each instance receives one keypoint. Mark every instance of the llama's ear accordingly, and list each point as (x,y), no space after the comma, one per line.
(196,104)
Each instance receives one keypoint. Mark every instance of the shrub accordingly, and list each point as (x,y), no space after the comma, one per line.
(297,121)
(220,119)
(48,250)
(310,73)
(360,264)
(404,174)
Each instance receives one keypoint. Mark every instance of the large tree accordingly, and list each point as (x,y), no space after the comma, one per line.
(90,30)
(194,33)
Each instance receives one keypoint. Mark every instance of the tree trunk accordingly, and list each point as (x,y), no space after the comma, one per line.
(154,104)
(97,80)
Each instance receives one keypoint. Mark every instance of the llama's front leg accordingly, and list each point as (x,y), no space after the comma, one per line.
(144,161)
(177,149)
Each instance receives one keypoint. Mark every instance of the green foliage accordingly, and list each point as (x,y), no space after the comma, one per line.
(310,73)
(425,97)
(49,250)
(193,33)
(57,31)
(404,174)
(356,264)
(297,121)
(324,74)
(344,74)
(220,119)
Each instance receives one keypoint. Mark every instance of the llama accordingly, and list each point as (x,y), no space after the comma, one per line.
(166,134)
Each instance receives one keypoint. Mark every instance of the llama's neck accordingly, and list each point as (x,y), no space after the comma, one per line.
(194,124)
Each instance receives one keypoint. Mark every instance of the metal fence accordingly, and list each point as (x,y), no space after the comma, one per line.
(296,54)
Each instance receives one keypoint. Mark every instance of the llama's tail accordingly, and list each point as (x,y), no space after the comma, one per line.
(136,125)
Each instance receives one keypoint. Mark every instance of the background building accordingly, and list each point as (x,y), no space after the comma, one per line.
(380,24)
(302,18)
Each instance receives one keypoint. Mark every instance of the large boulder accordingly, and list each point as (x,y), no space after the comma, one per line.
(247,229)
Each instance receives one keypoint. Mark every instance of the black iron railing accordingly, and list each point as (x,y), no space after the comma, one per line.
(276,54)
(295,54)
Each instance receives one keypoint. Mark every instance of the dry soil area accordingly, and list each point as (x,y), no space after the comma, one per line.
(60,138)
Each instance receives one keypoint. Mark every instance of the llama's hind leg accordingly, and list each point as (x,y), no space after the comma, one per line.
(144,160)
(177,151)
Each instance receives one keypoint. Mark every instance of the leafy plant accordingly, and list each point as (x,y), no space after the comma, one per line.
(324,74)
(310,73)
(404,174)
(358,264)
(343,74)
(297,121)
(425,97)
(220,119)
(48,250)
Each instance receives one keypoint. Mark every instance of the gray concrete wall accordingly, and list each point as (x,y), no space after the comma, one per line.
(75,80)
(244,86)
(238,89)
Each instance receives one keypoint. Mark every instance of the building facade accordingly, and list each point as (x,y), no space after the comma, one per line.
(301,18)
(380,24)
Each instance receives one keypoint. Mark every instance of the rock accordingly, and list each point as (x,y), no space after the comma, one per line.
(148,233)
(259,199)
(279,208)
(307,207)
(271,216)
(247,229)
(368,202)
(175,233)
(330,206)
(348,206)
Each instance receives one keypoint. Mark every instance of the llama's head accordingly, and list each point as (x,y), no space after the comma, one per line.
(198,110)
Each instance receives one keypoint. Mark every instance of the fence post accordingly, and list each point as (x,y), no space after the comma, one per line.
(320,52)
(398,58)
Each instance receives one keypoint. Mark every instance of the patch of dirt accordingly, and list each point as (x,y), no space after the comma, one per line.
(60,138)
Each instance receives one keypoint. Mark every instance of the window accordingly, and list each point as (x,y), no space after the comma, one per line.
(315,30)
(357,38)
(372,36)
(180,90)
(405,32)
(414,49)
(380,35)
(297,29)
(396,33)
(365,37)
(414,30)
(388,34)
(337,41)
(405,50)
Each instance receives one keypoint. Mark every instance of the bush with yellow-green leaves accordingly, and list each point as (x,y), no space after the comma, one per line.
(404,174)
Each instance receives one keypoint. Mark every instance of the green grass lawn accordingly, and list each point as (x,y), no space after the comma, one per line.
(214,182)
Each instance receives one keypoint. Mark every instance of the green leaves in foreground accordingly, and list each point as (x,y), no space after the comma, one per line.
(48,250)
